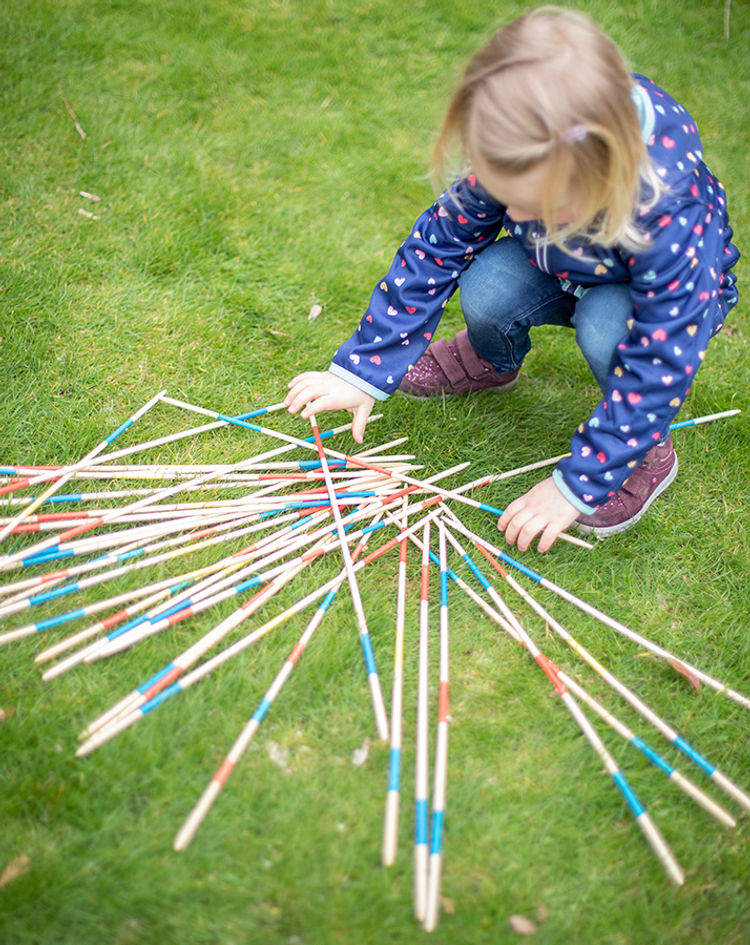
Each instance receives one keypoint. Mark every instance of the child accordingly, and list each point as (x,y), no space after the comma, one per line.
(611,225)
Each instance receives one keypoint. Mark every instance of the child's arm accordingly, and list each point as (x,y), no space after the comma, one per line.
(408,302)
(315,391)
(675,284)
(405,306)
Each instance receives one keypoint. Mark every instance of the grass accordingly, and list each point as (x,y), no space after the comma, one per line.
(253,159)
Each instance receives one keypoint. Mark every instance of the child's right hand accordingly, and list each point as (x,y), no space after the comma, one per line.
(315,391)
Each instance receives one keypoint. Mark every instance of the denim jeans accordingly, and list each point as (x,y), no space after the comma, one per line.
(503,296)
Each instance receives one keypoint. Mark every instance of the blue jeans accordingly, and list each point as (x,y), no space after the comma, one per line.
(503,296)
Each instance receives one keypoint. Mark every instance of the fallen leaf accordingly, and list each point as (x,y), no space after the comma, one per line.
(359,755)
(542,914)
(680,667)
(314,312)
(17,867)
(448,905)
(521,925)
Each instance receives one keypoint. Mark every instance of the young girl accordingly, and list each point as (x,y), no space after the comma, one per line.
(585,203)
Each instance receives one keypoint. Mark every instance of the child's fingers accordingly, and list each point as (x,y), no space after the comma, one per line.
(318,402)
(297,397)
(300,387)
(304,393)
(507,522)
(549,536)
(359,421)
(522,528)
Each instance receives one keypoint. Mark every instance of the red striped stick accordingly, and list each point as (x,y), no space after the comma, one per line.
(196,817)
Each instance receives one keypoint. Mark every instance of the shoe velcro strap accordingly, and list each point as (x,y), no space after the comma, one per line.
(473,365)
(447,361)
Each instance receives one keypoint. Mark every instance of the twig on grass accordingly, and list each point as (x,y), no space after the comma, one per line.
(73,115)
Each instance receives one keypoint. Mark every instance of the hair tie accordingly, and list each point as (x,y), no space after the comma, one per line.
(574,134)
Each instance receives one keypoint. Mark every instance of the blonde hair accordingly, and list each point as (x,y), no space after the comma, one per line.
(551,87)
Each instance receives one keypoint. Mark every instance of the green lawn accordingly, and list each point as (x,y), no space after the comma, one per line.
(251,160)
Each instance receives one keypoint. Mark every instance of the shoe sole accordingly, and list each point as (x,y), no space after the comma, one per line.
(604,531)
(484,390)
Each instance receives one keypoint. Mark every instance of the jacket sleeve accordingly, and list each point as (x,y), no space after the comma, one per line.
(408,302)
(675,284)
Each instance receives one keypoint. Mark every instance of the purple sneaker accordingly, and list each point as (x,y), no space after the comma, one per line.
(454,367)
(627,505)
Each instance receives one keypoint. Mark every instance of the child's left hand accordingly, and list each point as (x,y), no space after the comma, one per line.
(543,509)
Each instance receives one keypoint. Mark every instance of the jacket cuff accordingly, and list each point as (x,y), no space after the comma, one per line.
(357,381)
(557,478)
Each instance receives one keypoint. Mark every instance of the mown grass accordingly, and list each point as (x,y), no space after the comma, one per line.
(253,159)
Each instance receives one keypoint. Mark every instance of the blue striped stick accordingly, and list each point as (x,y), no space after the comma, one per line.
(148,695)
(163,678)
(198,516)
(112,620)
(679,779)
(684,667)
(125,560)
(70,471)
(161,617)
(196,602)
(168,681)
(14,560)
(381,719)
(210,524)
(684,783)
(211,520)
(214,589)
(215,576)
(172,437)
(649,829)
(90,609)
(390,818)
(200,810)
(171,672)
(421,775)
(666,730)
(359,461)
(193,518)
(46,473)
(440,776)
(179,583)
(152,687)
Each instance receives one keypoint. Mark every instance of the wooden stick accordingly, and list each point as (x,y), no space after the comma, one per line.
(440,776)
(649,829)
(679,779)
(70,471)
(381,719)
(390,819)
(211,792)
(661,726)
(421,776)
(175,684)
(676,662)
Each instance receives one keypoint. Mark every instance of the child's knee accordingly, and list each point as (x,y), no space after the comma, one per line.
(601,317)
(492,287)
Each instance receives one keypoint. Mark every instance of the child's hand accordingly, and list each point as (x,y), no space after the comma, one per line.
(542,509)
(315,391)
